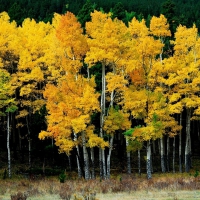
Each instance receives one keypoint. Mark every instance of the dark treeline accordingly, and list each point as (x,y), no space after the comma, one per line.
(183,12)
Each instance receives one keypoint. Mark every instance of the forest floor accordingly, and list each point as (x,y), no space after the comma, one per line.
(162,186)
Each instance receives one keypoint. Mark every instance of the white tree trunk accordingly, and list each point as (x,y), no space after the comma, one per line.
(103,110)
(79,167)
(100,163)
(109,156)
(8,145)
(168,149)
(93,163)
(85,158)
(77,158)
(162,157)
(180,146)
(174,153)
(128,155)
(29,142)
(187,143)
(149,176)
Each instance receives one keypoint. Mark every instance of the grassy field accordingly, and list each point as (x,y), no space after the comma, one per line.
(164,187)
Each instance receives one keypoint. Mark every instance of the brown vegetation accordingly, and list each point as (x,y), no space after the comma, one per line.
(80,189)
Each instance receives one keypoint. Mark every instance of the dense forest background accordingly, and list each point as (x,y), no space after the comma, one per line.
(182,11)
(45,153)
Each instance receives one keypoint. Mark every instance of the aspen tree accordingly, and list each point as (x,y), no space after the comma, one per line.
(107,40)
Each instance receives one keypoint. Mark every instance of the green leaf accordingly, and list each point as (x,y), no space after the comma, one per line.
(11,108)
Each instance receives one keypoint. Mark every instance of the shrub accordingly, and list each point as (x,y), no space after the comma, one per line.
(62,177)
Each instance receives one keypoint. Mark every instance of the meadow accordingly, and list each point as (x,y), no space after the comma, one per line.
(162,186)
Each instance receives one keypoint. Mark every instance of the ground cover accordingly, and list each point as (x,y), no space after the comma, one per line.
(162,186)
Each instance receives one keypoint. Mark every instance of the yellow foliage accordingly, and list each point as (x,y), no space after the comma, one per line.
(26,90)
(174,97)
(159,26)
(95,141)
(138,29)
(115,82)
(106,40)
(44,134)
(22,113)
(116,120)
(79,124)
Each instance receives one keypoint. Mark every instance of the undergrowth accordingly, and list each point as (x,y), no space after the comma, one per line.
(80,189)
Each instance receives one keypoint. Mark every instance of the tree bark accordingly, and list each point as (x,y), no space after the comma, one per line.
(29,142)
(148,164)
(103,110)
(85,158)
(79,167)
(100,163)
(180,146)
(162,156)
(93,163)
(151,163)
(77,158)
(168,149)
(128,155)
(109,156)
(139,162)
(8,145)
(174,153)
(187,143)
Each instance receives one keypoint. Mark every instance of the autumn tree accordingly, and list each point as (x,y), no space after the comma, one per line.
(159,28)
(32,70)
(107,40)
(7,106)
(8,60)
(182,79)
(70,115)
(74,101)
(143,98)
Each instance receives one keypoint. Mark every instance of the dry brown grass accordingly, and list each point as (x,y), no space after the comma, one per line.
(163,186)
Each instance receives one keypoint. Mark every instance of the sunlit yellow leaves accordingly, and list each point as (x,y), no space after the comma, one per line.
(95,141)
(22,114)
(174,97)
(175,108)
(138,29)
(70,105)
(115,82)
(106,40)
(79,124)
(8,34)
(37,74)
(159,26)
(26,90)
(44,134)
(135,102)
(71,39)
(7,102)
(185,39)
(65,145)
(116,120)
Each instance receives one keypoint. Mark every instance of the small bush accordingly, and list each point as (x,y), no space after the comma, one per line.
(62,177)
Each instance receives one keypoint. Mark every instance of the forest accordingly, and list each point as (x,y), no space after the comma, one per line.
(94,87)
